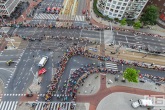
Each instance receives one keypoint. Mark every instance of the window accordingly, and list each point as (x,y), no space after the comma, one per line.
(117,7)
(114,14)
(122,8)
(110,13)
(113,6)
(111,9)
(116,11)
(121,12)
(106,12)
(124,4)
(119,3)
(107,8)
(114,2)
(119,15)
(108,4)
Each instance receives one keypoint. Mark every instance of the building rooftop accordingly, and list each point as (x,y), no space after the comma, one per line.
(3,1)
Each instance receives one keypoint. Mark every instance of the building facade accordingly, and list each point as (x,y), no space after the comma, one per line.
(7,6)
(129,9)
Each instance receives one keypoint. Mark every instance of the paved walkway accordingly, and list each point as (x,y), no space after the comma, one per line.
(112,101)
(95,99)
(27,11)
(102,23)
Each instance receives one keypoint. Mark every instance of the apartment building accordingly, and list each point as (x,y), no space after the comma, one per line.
(129,9)
(7,6)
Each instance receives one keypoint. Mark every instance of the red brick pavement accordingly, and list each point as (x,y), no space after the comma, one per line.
(31,6)
(3,44)
(102,49)
(25,99)
(96,98)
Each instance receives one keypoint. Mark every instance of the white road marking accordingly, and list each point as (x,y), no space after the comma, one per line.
(126,39)
(6,70)
(100,37)
(22,89)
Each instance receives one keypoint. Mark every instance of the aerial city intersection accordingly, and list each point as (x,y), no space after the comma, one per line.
(81,55)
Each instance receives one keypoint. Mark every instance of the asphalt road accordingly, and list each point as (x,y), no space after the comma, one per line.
(143,41)
(81,6)
(126,39)
(49,3)
(27,66)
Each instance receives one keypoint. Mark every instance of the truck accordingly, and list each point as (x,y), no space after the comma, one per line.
(143,103)
(43,61)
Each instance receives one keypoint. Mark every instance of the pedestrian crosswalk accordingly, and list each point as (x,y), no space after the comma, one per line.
(8,105)
(54,105)
(59,24)
(79,18)
(66,17)
(111,66)
(72,17)
(45,16)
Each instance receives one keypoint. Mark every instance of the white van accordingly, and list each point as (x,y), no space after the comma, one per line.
(143,103)
(43,61)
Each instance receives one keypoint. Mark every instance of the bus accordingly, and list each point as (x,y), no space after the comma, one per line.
(43,61)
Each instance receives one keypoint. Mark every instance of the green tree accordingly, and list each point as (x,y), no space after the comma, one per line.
(137,25)
(131,75)
(123,22)
(150,15)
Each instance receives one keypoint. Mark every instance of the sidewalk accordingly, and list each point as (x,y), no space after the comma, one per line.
(95,99)
(102,23)
(27,11)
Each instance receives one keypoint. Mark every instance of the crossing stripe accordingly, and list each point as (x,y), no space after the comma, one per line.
(8,105)
(79,18)
(66,17)
(111,66)
(45,16)
(54,105)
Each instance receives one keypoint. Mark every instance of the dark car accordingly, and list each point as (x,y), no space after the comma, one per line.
(32,39)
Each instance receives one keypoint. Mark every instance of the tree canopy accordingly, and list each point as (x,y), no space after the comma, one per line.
(137,25)
(123,22)
(150,15)
(131,75)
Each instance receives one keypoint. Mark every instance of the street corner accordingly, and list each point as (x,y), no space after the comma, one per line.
(83,106)
(90,86)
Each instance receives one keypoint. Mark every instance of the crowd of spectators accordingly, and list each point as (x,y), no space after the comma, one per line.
(78,76)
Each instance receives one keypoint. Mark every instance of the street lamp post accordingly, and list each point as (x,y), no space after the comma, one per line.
(122,68)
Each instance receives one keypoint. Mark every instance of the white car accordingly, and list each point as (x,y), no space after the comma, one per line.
(135,104)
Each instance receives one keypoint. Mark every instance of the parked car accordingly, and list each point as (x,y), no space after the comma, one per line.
(41,71)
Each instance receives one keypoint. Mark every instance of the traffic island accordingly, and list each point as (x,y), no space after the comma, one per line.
(90,86)
(110,82)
